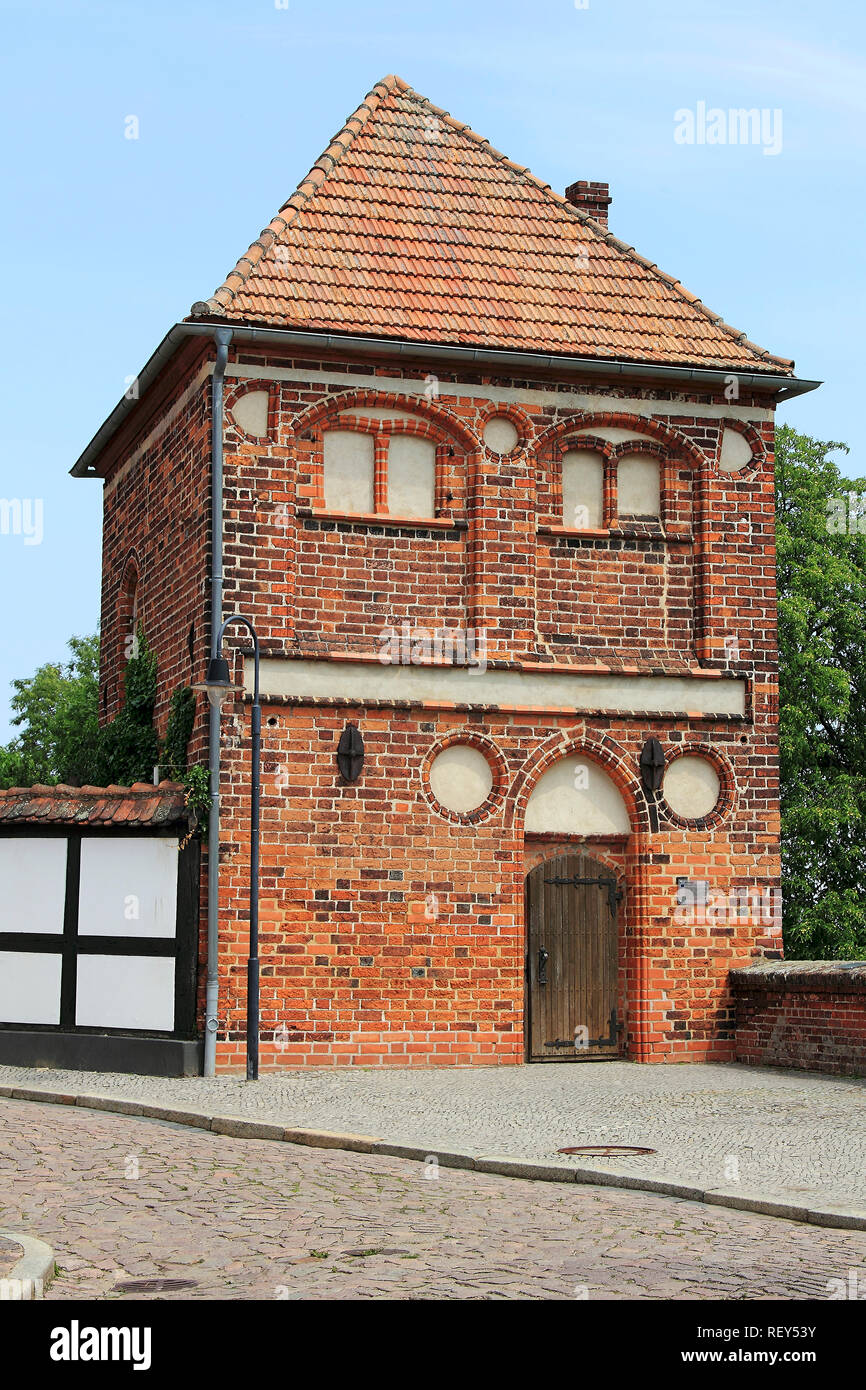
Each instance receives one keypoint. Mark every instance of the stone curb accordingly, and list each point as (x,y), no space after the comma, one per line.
(852,1218)
(34,1271)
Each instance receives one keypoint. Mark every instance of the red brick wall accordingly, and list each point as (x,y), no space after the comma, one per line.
(809,1015)
(156,526)
(392,933)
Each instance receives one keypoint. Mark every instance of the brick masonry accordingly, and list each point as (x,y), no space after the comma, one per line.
(805,1014)
(393,933)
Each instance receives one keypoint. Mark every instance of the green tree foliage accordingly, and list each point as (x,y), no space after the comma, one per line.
(129,745)
(61,741)
(56,712)
(181,717)
(60,738)
(822,610)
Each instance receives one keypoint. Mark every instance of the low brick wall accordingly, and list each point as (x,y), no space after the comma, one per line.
(802,1013)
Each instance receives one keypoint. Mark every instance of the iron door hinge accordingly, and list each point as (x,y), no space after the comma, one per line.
(614,895)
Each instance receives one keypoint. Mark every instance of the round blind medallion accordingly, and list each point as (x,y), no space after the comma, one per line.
(691,787)
(500,435)
(461,778)
(736,452)
(251,413)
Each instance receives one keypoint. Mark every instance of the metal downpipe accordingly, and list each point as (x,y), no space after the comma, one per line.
(211,1010)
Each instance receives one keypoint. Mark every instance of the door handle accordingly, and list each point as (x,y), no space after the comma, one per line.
(543,958)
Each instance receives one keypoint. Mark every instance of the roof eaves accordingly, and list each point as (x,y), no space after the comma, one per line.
(86,464)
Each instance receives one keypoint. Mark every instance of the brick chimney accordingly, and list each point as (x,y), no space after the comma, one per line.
(593,198)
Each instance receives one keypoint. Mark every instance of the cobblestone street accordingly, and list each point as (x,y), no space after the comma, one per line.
(125,1199)
(796,1137)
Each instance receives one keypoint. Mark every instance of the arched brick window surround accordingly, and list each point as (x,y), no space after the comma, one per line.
(659,441)
(453,441)
(128,616)
(128,602)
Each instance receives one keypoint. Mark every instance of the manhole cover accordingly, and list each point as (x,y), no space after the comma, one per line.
(604,1150)
(154,1285)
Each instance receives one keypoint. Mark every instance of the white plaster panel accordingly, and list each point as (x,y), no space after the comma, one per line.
(251,413)
(500,435)
(525,396)
(637,486)
(125,992)
(411,476)
(361,680)
(691,787)
(348,467)
(736,452)
(128,887)
(32,884)
(29,987)
(582,488)
(461,777)
(575,797)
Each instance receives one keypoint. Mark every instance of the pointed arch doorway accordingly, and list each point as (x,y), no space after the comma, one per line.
(572,958)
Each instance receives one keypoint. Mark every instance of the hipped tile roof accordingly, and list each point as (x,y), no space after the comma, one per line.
(411,226)
(138,805)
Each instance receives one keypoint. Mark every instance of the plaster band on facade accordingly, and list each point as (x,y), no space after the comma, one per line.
(630,695)
(678,405)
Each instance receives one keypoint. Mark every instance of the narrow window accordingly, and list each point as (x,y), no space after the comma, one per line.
(411,476)
(638,487)
(128,615)
(582,489)
(348,467)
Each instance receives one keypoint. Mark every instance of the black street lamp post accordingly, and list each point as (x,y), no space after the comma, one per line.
(218,686)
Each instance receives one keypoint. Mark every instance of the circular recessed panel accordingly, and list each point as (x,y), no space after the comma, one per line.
(461,778)
(691,787)
(500,435)
(251,413)
(736,452)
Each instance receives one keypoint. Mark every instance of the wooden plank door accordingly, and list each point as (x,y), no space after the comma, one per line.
(571,962)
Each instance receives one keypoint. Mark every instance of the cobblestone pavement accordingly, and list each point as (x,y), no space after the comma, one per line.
(791,1135)
(129,1199)
(10,1254)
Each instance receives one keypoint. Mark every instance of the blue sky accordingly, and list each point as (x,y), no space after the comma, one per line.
(108,241)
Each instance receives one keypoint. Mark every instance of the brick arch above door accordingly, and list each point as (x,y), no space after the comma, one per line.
(606,753)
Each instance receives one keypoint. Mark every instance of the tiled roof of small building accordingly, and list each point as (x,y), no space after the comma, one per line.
(411,226)
(140,804)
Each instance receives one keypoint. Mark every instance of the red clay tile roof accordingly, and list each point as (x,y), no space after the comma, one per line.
(140,804)
(412,226)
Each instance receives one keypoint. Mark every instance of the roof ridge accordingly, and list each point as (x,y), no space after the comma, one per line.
(113,789)
(597,230)
(305,190)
